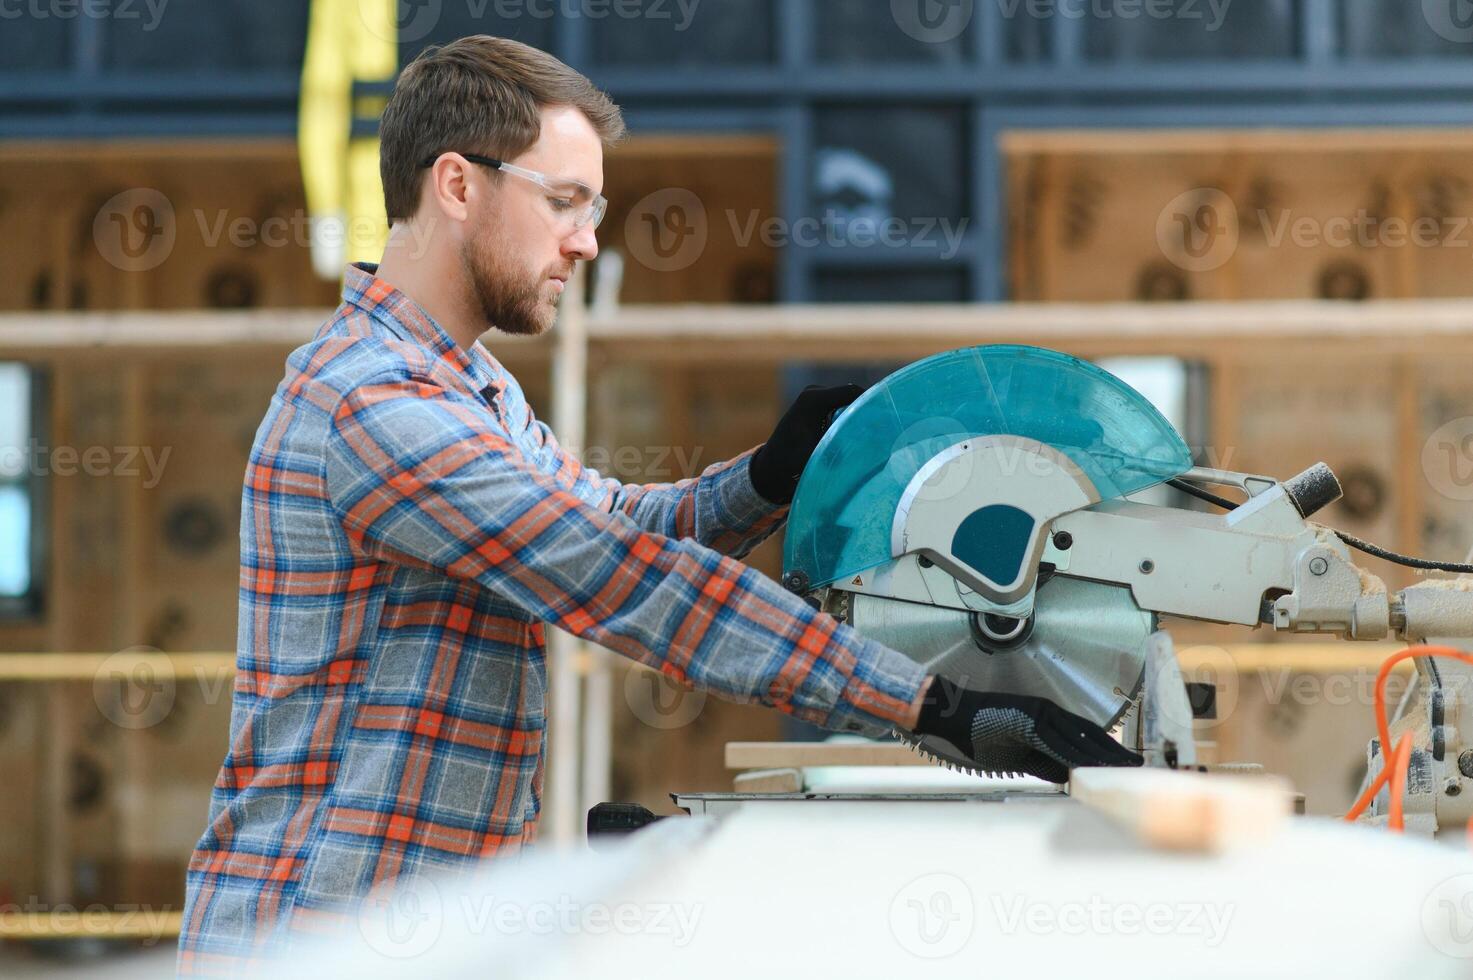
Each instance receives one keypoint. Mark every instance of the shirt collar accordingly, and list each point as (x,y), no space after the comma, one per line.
(407,320)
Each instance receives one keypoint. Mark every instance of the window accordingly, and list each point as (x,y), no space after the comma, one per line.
(217,35)
(890,286)
(861,32)
(425,24)
(875,164)
(732,32)
(1027,40)
(35,44)
(19,547)
(1182,32)
(1178,390)
(1397,28)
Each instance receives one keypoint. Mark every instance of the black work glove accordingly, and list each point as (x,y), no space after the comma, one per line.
(1016,733)
(776,466)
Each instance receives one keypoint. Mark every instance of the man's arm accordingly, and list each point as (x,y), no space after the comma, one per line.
(719,509)
(420,477)
(734,505)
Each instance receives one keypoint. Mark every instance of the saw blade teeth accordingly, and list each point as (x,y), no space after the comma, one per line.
(917,746)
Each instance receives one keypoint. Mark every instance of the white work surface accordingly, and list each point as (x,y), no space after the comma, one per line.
(1036,887)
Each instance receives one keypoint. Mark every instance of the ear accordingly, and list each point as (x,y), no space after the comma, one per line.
(448,187)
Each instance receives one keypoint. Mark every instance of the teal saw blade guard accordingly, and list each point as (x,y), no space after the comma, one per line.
(845,504)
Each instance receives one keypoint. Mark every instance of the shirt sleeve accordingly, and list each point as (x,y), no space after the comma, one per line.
(720,509)
(420,476)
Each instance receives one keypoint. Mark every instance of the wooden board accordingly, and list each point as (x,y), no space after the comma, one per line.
(1215,214)
(1187,811)
(797,755)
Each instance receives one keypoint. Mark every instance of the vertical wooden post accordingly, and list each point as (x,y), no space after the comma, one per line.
(1410,487)
(569,413)
(53,815)
(598,688)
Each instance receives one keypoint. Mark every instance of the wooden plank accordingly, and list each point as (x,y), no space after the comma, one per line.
(663,146)
(1230,325)
(1138,142)
(1187,811)
(796,755)
(172,151)
(92,923)
(164,329)
(46,667)
(769,781)
(1300,657)
(1307,658)
(1168,328)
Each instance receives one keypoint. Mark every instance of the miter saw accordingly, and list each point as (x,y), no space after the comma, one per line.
(974,511)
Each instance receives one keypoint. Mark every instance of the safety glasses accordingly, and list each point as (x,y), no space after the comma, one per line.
(571,200)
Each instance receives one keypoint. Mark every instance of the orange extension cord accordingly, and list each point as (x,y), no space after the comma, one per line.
(1399,761)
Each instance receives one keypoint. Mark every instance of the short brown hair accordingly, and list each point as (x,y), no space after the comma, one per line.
(477,95)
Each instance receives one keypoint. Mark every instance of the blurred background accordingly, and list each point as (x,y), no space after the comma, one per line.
(1256,211)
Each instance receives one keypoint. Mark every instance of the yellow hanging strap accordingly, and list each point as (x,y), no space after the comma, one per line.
(349,42)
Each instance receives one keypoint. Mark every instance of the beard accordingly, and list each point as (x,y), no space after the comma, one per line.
(511,300)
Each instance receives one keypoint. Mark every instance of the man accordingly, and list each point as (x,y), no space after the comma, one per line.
(408,526)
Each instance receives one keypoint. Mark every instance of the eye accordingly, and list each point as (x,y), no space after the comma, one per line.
(561,203)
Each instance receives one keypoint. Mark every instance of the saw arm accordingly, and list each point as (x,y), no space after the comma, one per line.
(975,511)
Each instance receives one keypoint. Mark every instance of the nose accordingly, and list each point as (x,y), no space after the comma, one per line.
(581,245)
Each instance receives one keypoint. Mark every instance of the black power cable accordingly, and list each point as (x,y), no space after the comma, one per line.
(1375,551)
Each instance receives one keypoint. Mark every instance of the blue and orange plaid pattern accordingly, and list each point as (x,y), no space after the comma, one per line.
(407,528)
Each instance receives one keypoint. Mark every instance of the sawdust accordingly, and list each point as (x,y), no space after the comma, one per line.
(1463,583)
(1370,584)
(1327,538)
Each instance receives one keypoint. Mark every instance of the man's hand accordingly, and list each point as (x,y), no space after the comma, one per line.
(776,466)
(1016,733)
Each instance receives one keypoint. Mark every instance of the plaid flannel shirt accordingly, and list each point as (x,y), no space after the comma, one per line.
(407,528)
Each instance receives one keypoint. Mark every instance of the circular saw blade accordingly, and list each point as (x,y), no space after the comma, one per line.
(1086,652)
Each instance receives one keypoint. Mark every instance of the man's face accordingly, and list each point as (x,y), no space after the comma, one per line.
(520,250)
